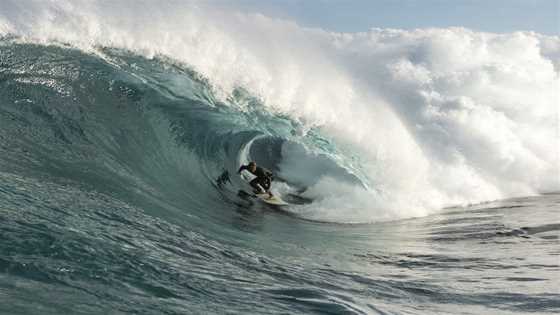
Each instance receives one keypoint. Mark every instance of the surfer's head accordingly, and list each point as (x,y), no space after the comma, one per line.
(252,166)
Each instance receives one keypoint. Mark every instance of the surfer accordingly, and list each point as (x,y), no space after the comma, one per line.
(261,183)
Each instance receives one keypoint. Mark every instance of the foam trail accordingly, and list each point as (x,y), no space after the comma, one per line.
(426,118)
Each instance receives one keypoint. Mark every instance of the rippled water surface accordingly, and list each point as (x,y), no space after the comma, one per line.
(65,249)
(109,205)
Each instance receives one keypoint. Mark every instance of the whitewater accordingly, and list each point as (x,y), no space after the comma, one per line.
(422,167)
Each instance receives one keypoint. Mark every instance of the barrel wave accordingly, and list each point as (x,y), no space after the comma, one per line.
(389,123)
(137,127)
(420,167)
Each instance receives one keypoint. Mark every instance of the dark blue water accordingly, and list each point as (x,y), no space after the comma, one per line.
(108,205)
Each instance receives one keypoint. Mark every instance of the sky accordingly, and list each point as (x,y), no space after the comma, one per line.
(497,16)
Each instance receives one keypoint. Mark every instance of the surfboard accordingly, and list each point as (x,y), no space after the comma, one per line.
(274,200)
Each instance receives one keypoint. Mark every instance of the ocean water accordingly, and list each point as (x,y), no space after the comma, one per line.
(421,167)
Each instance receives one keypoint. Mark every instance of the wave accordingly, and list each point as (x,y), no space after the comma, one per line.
(380,125)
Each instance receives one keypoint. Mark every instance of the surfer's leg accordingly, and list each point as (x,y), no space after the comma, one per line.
(256,185)
(265,183)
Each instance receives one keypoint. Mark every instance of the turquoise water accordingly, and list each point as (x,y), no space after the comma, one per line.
(108,205)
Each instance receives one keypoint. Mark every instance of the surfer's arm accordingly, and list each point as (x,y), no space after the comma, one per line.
(268,174)
(243,167)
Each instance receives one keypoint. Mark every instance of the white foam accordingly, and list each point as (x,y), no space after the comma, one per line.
(433,116)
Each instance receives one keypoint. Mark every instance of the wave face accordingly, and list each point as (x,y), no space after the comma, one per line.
(370,126)
(117,119)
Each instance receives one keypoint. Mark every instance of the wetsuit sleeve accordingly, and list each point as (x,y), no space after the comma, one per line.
(266,173)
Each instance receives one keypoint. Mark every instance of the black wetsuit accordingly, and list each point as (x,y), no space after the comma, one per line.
(264,177)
